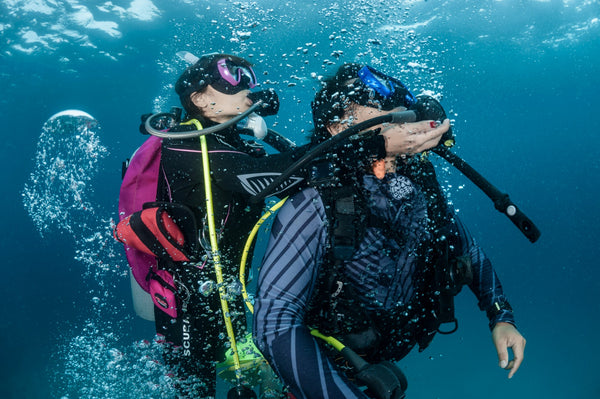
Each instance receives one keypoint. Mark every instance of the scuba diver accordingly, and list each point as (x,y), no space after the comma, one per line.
(213,90)
(208,172)
(377,255)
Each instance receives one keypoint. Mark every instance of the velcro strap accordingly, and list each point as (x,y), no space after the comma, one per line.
(153,231)
(146,235)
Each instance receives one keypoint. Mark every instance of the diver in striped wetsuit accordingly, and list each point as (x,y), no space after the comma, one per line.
(395,288)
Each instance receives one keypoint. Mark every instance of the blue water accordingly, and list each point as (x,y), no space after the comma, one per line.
(520,79)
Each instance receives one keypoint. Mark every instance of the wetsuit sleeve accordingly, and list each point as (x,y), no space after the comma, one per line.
(248,175)
(242,173)
(233,171)
(285,286)
(485,285)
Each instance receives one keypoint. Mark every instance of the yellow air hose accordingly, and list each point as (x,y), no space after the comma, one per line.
(247,247)
(210,215)
(337,345)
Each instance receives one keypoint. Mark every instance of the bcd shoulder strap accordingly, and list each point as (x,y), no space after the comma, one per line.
(346,227)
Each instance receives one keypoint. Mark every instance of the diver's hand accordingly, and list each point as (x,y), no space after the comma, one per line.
(412,138)
(505,336)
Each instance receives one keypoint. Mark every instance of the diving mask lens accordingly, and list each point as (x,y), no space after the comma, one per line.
(391,91)
(239,77)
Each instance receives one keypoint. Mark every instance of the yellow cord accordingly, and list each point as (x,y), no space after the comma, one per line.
(247,247)
(210,215)
(330,340)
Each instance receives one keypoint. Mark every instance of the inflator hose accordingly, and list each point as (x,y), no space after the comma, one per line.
(502,201)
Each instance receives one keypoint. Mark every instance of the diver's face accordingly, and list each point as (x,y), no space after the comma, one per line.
(220,107)
(357,114)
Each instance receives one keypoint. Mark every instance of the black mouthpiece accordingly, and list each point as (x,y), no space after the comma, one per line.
(270,101)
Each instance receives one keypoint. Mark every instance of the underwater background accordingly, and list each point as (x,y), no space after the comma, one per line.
(520,80)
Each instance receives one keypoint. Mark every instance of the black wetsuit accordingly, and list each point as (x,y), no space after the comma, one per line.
(197,337)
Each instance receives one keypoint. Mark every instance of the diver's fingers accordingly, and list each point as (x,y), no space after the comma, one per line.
(442,128)
(414,137)
(502,354)
(518,348)
(505,336)
(501,337)
(430,138)
(420,146)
